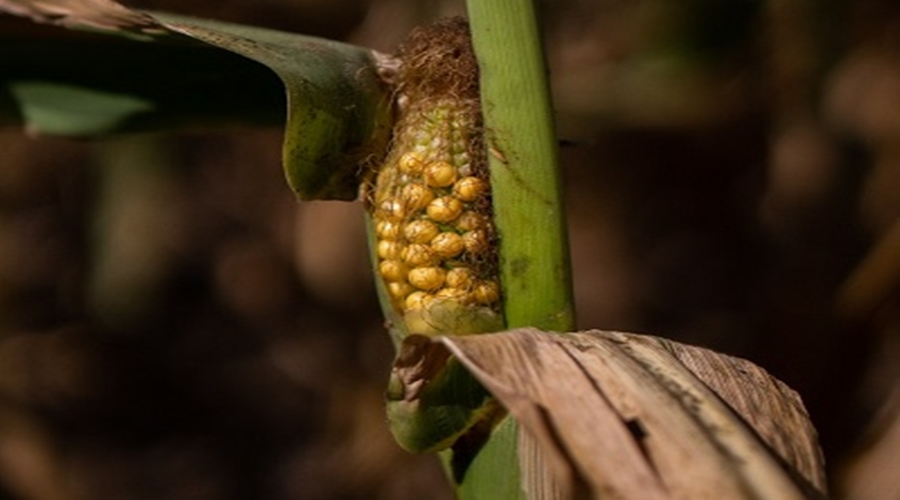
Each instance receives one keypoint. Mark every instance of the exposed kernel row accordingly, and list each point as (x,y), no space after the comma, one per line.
(431,205)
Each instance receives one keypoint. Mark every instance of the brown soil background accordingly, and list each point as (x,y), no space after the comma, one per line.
(173,324)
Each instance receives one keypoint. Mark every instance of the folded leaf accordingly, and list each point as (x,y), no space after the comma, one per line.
(164,71)
(638,417)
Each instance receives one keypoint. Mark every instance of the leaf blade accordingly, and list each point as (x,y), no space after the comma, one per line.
(337,109)
(675,428)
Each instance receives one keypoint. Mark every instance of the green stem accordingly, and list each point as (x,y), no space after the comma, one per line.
(527,198)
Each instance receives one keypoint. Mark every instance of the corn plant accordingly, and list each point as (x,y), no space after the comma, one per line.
(450,145)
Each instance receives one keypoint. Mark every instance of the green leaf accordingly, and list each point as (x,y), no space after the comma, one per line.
(490,474)
(62,109)
(168,71)
(431,416)
(338,109)
(188,83)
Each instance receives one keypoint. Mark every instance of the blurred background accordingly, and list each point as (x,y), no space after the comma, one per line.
(173,324)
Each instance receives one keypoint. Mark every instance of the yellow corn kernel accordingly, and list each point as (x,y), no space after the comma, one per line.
(469,188)
(388,230)
(411,163)
(476,241)
(416,197)
(418,255)
(390,249)
(439,174)
(470,220)
(445,209)
(450,293)
(418,300)
(460,277)
(486,292)
(448,244)
(399,290)
(420,231)
(393,270)
(427,278)
(392,209)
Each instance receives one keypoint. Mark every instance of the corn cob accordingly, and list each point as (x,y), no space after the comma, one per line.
(431,205)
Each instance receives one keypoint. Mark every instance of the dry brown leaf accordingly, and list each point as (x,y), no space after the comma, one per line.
(637,417)
(768,405)
(96,14)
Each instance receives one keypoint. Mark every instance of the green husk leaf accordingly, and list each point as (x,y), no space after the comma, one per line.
(430,417)
(162,71)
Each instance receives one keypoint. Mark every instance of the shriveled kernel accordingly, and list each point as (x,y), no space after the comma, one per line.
(420,231)
(390,249)
(476,241)
(411,163)
(445,209)
(393,270)
(462,122)
(399,290)
(470,220)
(486,292)
(438,143)
(462,159)
(439,174)
(448,244)
(418,255)
(388,230)
(469,188)
(417,300)
(460,277)
(457,141)
(416,197)
(441,156)
(427,278)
